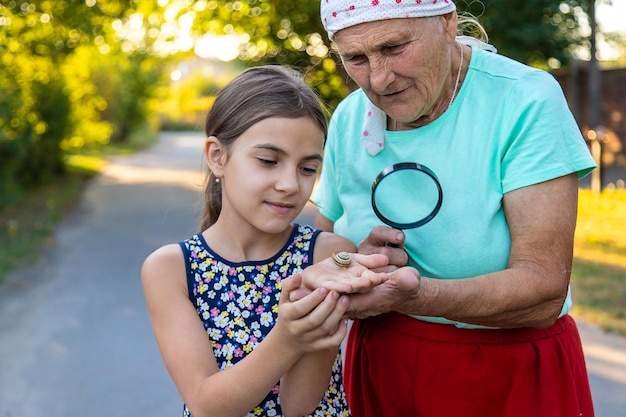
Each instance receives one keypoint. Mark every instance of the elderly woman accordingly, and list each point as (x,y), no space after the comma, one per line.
(473,320)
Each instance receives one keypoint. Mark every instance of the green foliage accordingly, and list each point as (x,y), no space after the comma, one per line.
(290,32)
(533,31)
(88,102)
(287,32)
(45,158)
(189,98)
(69,79)
(127,83)
(33,113)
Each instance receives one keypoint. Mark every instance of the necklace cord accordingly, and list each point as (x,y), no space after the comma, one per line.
(458,78)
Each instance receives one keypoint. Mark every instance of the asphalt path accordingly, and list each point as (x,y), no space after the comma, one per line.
(75,337)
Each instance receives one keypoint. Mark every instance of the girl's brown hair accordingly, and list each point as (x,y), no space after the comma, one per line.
(256,94)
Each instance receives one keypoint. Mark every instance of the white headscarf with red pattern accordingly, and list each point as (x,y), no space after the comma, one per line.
(340,14)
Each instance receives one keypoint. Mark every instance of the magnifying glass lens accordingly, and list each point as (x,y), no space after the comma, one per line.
(409,198)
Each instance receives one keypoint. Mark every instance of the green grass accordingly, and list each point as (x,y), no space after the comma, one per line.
(25,225)
(30,220)
(599,272)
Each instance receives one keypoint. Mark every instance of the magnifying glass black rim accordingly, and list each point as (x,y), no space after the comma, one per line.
(399,167)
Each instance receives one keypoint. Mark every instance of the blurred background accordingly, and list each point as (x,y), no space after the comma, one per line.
(80,74)
(87,86)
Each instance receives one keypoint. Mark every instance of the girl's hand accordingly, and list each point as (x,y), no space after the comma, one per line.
(314,321)
(358,277)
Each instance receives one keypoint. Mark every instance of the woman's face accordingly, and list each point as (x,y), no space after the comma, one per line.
(403,65)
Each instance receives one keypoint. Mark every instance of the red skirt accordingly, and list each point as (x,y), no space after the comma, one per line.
(397,366)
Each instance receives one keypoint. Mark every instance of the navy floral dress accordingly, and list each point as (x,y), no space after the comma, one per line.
(238,304)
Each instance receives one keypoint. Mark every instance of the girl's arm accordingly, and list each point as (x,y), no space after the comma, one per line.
(309,378)
(187,351)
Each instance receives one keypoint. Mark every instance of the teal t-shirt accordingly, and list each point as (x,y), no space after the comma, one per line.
(509,127)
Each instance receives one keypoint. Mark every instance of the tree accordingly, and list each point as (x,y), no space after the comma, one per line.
(53,96)
(543,33)
(286,32)
(537,32)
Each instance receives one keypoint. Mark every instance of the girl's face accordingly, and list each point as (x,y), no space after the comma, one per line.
(270,172)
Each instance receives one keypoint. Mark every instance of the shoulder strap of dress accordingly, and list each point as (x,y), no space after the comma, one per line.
(190,256)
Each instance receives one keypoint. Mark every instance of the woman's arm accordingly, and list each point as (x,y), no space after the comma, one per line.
(187,351)
(529,293)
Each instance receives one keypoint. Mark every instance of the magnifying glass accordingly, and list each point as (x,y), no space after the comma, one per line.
(421,191)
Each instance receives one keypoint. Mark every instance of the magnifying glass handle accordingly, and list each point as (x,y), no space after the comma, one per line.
(392,245)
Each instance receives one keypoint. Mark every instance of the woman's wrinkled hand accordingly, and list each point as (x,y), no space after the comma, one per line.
(399,290)
(388,242)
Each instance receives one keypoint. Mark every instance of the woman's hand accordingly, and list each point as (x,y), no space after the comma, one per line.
(399,290)
(386,241)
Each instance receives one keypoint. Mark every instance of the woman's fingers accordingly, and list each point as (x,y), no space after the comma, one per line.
(388,242)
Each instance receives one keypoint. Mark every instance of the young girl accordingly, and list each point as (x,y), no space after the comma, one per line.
(237,332)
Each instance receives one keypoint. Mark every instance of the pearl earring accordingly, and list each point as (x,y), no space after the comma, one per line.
(217,180)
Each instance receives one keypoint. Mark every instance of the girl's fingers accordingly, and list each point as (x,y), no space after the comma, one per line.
(326,318)
(291,284)
(298,294)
